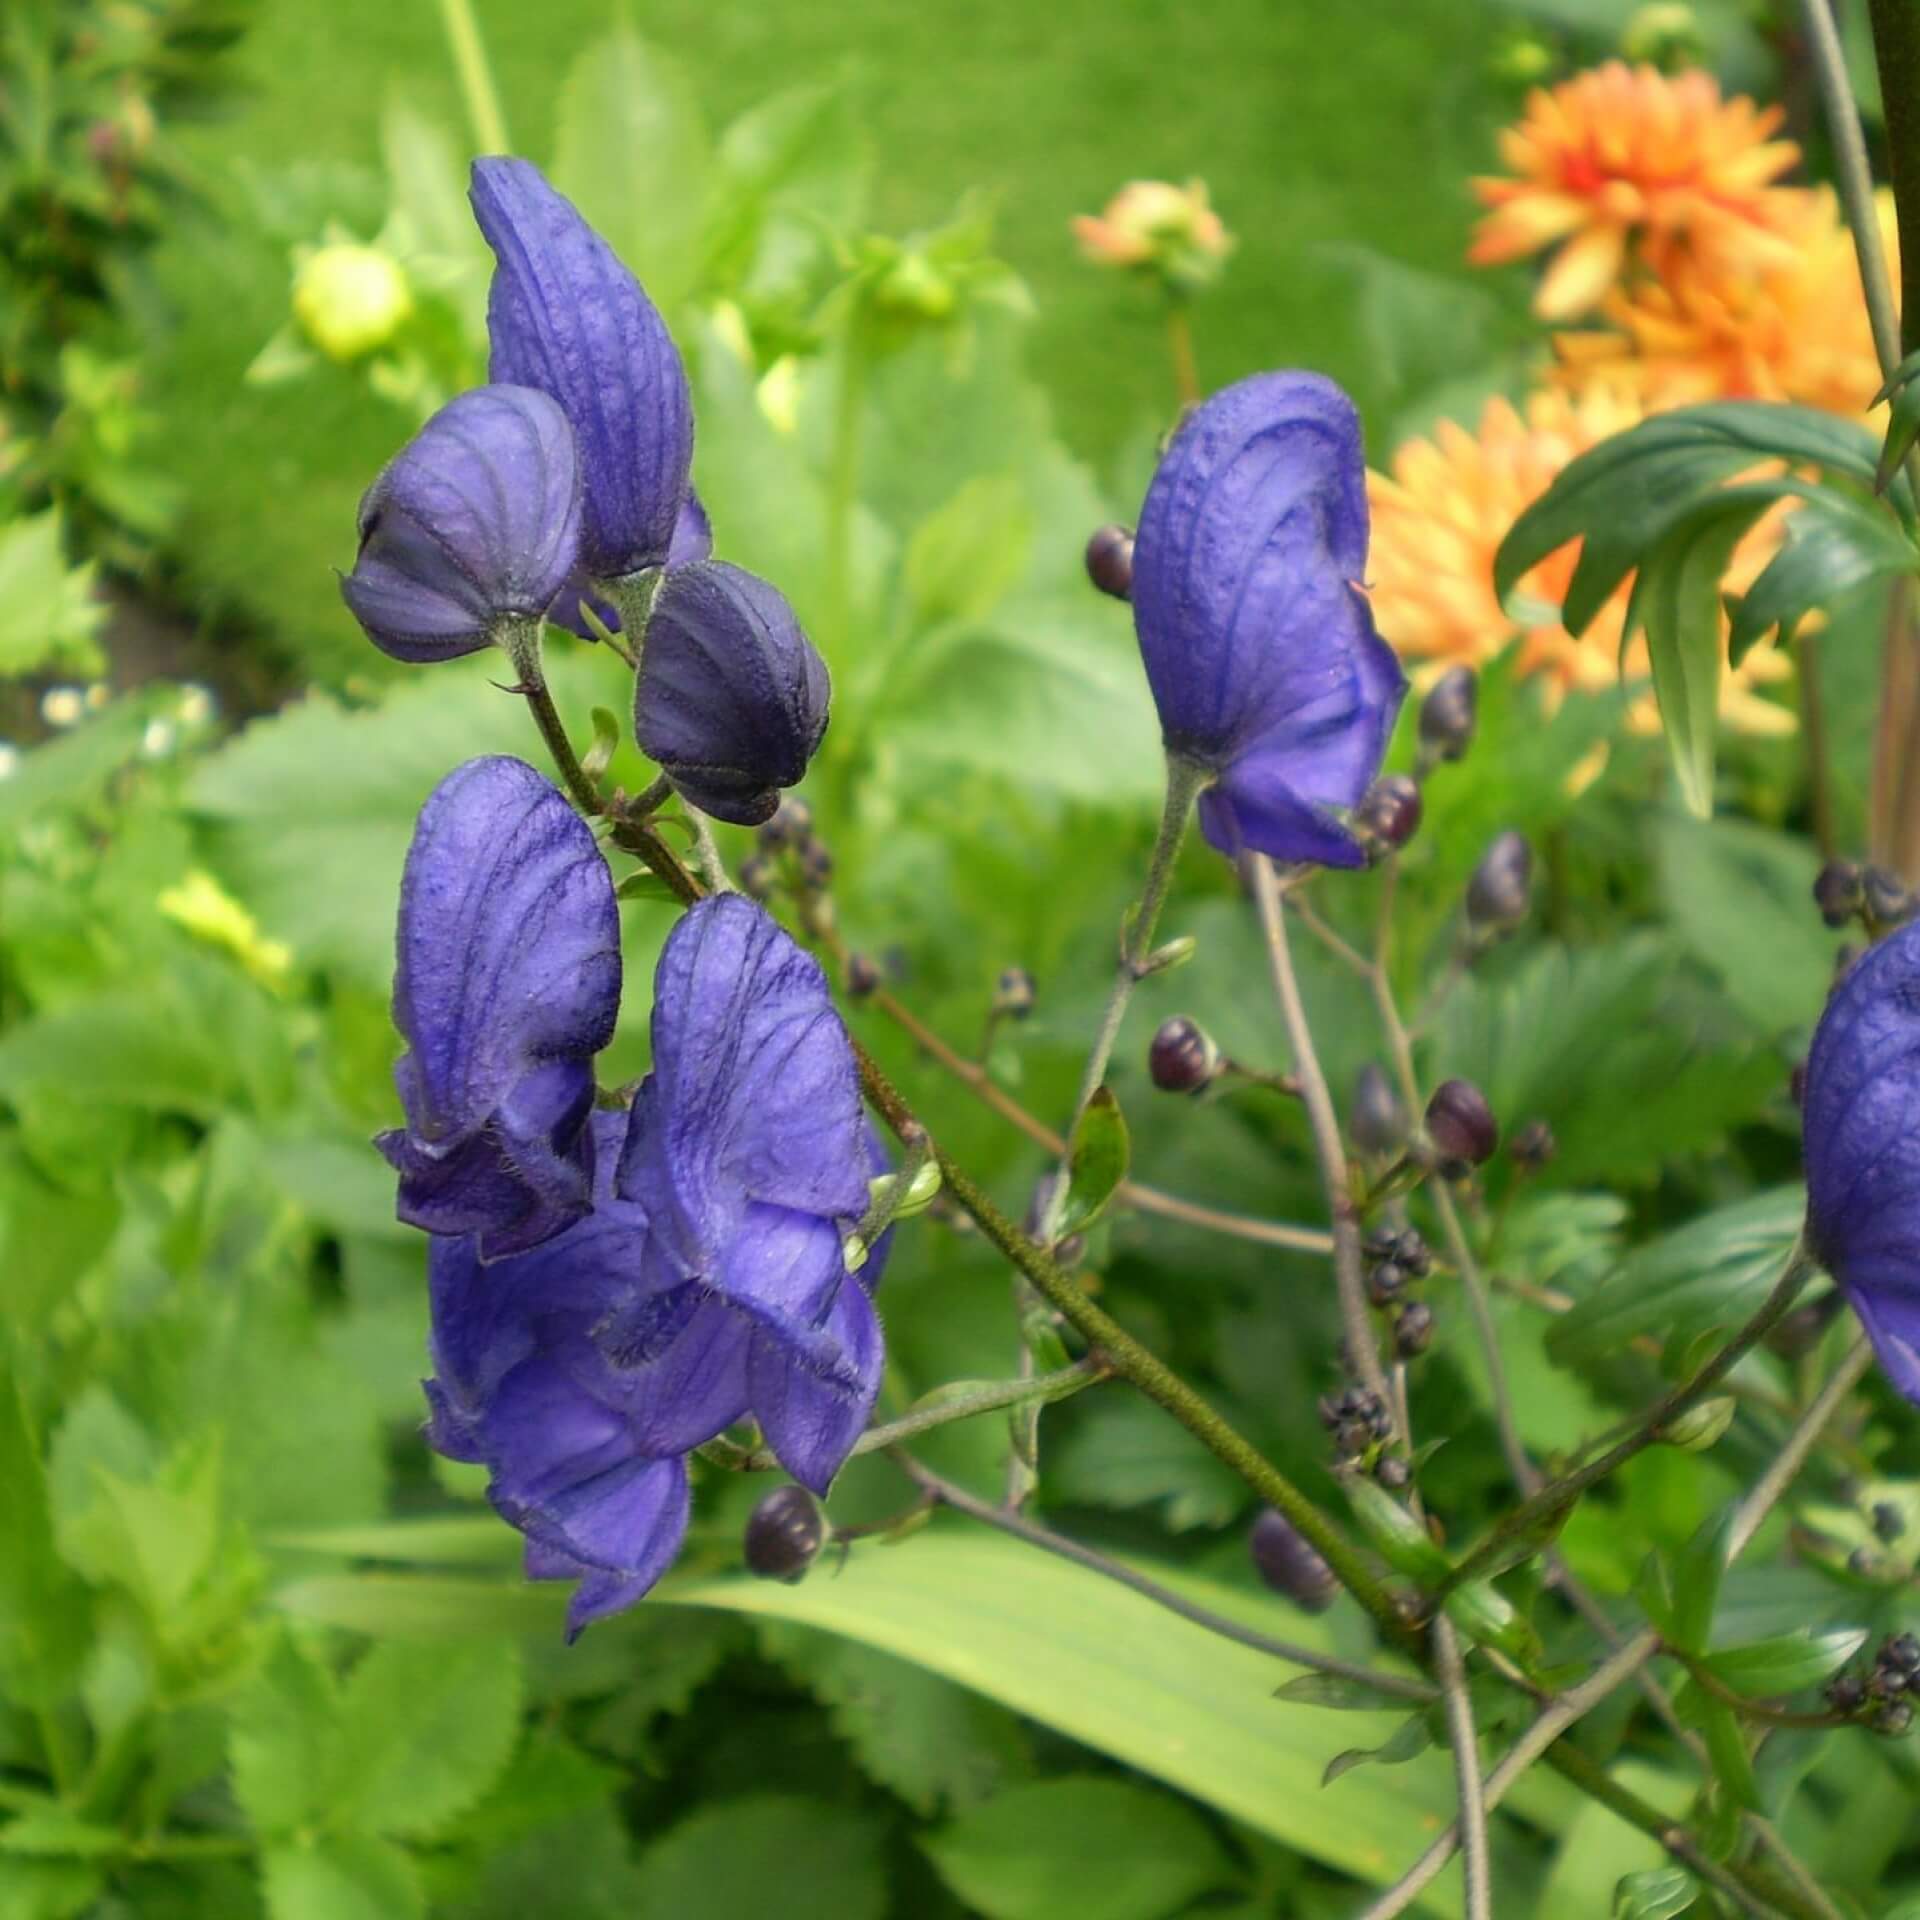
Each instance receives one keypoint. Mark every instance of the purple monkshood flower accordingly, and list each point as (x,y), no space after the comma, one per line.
(507,984)
(731,700)
(1863,1148)
(565,316)
(692,540)
(1259,646)
(473,525)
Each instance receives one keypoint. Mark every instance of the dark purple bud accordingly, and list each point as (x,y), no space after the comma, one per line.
(565,316)
(863,975)
(1889,1523)
(1532,1146)
(1902,1651)
(1110,561)
(1386,1281)
(785,1533)
(472,526)
(1863,1150)
(1182,1059)
(1413,1253)
(1259,646)
(507,986)
(1449,714)
(1888,901)
(1394,1472)
(1290,1563)
(790,825)
(1378,1121)
(757,877)
(1839,891)
(1413,1329)
(1461,1125)
(1501,888)
(1846,1693)
(1014,993)
(731,701)
(1894,1718)
(816,865)
(1389,813)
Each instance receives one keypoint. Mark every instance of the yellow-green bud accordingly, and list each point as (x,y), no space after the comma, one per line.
(350,299)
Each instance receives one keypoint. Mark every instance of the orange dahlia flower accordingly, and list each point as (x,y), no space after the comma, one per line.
(1439,517)
(1623,158)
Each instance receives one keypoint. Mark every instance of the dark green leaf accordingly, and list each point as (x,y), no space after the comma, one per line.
(726,1860)
(1788,1663)
(1697,1570)
(43,1609)
(1727,1749)
(1835,542)
(1122,1451)
(1903,419)
(1408,1743)
(1655,1893)
(1097,1158)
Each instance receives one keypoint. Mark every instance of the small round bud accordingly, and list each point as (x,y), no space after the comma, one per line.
(1902,1651)
(1888,902)
(789,824)
(1014,993)
(1351,1439)
(1449,712)
(1889,1523)
(1461,1125)
(350,300)
(1389,812)
(863,975)
(757,877)
(1501,888)
(1182,1059)
(816,865)
(1386,1281)
(1532,1146)
(1846,1693)
(785,1533)
(1413,1329)
(1394,1472)
(1413,1253)
(1863,1563)
(1110,561)
(1289,1563)
(1839,891)
(1894,1718)
(1378,1120)
(1379,1243)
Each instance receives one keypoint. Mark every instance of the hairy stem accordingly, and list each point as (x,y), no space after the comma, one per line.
(949,1495)
(522,643)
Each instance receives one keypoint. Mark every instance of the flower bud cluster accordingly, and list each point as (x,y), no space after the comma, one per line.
(1397,1259)
(1359,1422)
(1872,895)
(1883,1696)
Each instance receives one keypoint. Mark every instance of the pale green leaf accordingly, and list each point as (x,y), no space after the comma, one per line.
(1097,1158)
(280,1739)
(342,1877)
(49,614)
(962,560)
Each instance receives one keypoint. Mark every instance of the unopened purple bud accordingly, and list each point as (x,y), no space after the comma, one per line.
(1461,1125)
(1888,901)
(1449,713)
(1182,1059)
(1290,1563)
(1389,813)
(863,975)
(1378,1121)
(1839,892)
(1014,993)
(1501,888)
(731,701)
(473,525)
(757,877)
(785,1533)
(1533,1146)
(1110,561)
(1413,1329)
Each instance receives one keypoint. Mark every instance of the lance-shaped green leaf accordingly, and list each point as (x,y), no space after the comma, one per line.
(1697,1573)
(1903,419)
(1654,1893)
(1835,543)
(1727,1749)
(1338,1692)
(1409,1743)
(1787,1663)
(1399,1534)
(1096,1162)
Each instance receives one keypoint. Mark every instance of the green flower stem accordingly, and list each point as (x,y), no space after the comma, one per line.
(1184,781)
(1186,371)
(1896,49)
(946,1494)
(476,76)
(522,643)
(711,864)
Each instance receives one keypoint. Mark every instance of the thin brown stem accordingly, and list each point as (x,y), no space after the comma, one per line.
(1186,370)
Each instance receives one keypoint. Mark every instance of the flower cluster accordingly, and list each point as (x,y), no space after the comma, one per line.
(562,491)
(611,1289)
(1258,643)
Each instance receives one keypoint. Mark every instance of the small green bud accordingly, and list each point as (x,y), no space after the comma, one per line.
(1702,1426)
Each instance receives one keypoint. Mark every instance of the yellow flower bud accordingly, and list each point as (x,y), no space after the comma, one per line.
(350,300)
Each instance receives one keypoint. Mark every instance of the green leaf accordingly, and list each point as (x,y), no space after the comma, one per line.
(49,1889)
(1903,418)
(1078,1849)
(1676,598)
(934,1744)
(1654,1893)
(350,1876)
(424,1731)
(55,1832)
(826,1863)
(452,1542)
(1337,1692)
(631,152)
(1097,1157)
(645,884)
(1396,1531)
(69,770)
(1410,1740)
(280,1739)
(49,613)
(1697,1571)
(1737,895)
(1787,1663)
(422,1606)
(43,1609)
(1727,1749)
(1835,543)
(1123,1452)
(962,561)
(1713,1272)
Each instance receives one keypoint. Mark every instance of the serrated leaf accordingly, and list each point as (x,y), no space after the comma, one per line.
(1787,1663)
(1409,1743)
(280,1739)
(1339,1693)
(1097,1157)
(350,1876)
(723,1861)
(43,1608)
(424,1731)
(49,612)
(935,1745)
(1135,1854)
(1835,543)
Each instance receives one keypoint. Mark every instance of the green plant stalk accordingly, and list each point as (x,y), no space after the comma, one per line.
(521,641)
(475,72)
(1896,51)
(1559,1494)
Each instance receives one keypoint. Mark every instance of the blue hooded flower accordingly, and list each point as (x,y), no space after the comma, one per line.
(1259,646)
(731,700)
(692,540)
(474,524)
(565,316)
(1863,1148)
(507,984)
